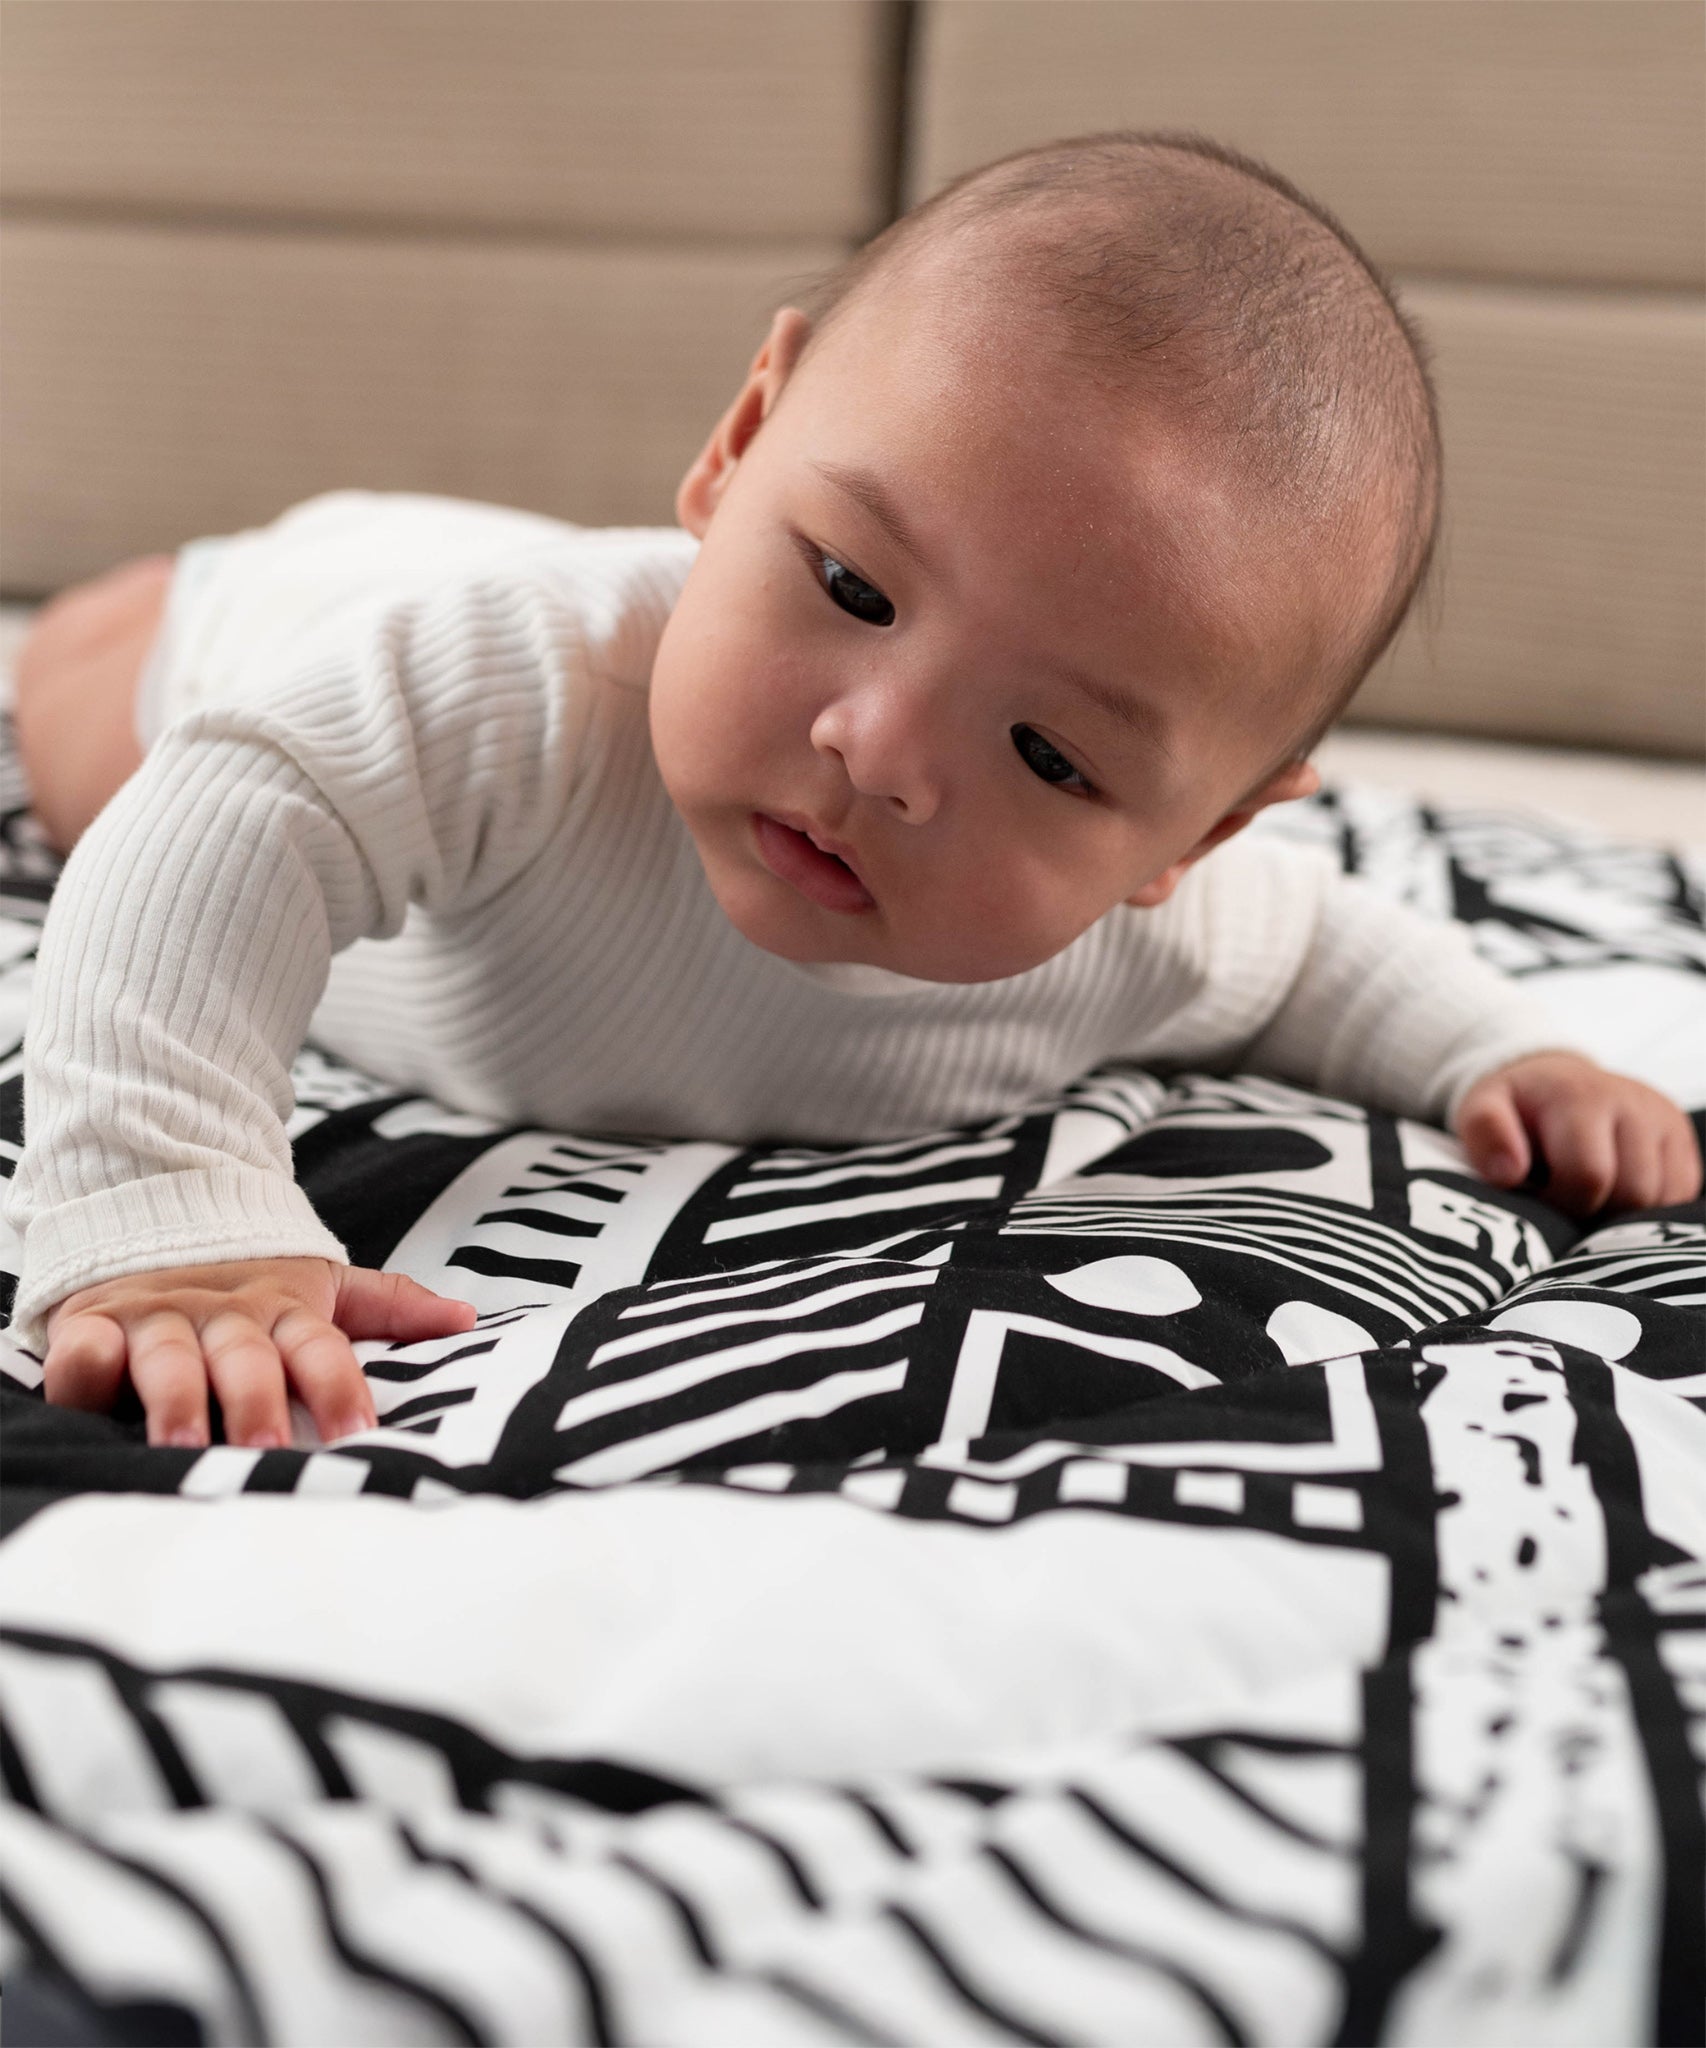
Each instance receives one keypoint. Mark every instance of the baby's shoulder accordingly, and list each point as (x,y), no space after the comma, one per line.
(1253,892)
(347,562)
(414,538)
(1252,865)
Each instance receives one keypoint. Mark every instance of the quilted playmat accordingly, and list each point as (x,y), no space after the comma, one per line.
(1184,1562)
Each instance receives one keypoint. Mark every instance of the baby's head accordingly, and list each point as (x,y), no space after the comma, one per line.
(1039,547)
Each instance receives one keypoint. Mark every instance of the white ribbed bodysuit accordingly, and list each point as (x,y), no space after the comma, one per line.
(401,799)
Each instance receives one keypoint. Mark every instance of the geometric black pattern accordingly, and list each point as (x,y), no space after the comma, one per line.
(1182,1561)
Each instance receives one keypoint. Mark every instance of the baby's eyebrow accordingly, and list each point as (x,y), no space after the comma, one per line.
(870,496)
(1131,711)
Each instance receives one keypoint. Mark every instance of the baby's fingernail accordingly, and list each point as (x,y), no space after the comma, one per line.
(185,1439)
(267,1440)
(352,1425)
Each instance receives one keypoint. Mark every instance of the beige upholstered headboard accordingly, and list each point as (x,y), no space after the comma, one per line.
(523,249)
(520,250)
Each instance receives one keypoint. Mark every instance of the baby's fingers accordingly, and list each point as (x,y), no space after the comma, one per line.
(170,1378)
(248,1377)
(1681,1154)
(392,1305)
(1492,1134)
(1580,1144)
(1640,1180)
(84,1366)
(325,1373)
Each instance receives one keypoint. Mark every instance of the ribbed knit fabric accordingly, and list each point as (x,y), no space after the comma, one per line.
(411,733)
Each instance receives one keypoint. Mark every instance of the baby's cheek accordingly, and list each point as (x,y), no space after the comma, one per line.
(998,926)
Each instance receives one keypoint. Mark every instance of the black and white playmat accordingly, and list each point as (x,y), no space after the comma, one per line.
(1183,1563)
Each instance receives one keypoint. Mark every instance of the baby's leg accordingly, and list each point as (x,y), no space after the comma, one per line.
(77,671)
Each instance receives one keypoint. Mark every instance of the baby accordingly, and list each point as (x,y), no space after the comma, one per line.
(1029,563)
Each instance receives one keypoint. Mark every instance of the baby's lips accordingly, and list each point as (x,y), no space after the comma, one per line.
(822,876)
(824,841)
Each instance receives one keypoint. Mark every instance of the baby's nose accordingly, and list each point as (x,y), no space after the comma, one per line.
(888,754)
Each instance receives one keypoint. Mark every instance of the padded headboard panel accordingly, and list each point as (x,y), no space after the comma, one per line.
(495,248)
(1534,173)
(524,249)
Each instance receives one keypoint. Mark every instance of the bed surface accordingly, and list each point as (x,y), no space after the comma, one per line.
(1182,1562)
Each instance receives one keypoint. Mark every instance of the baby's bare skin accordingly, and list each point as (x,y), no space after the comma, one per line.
(75,687)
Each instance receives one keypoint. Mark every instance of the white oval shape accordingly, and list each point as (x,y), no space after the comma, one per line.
(1141,1287)
(1306,1333)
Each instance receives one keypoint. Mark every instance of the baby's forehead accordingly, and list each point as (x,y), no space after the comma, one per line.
(1200,285)
(962,388)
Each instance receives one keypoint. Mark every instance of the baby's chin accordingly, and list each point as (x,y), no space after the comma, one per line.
(815,940)
(750,905)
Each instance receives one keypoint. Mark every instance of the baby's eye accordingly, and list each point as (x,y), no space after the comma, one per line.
(854,595)
(1047,761)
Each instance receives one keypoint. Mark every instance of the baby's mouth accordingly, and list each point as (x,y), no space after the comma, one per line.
(792,857)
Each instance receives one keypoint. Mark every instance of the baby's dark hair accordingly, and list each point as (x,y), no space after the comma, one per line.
(1244,301)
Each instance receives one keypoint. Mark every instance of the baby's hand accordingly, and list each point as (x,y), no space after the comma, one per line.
(244,1329)
(1610,1142)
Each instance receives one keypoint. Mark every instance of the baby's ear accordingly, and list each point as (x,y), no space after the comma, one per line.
(703,485)
(1295,779)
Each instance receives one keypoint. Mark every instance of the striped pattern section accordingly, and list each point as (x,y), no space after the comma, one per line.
(357,1869)
(1663,1260)
(710,1368)
(1355,1255)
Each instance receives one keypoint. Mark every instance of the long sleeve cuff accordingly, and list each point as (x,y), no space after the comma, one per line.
(1431,1054)
(1489,1050)
(1397,1010)
(194,1218)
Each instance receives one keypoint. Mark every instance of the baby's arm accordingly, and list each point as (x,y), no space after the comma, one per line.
(1397,1010)
(426,761)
